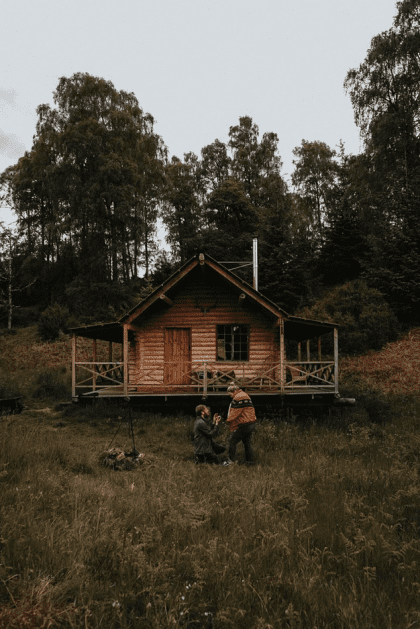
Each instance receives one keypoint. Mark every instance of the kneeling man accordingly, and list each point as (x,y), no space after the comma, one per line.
(204,431)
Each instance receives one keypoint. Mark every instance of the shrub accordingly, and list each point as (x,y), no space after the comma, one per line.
(366,321)
(50,385)
(55,320)
(8,390)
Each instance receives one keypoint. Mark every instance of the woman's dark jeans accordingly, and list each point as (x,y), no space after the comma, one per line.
(243,433)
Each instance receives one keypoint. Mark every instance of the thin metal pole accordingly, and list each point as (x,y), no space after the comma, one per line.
(255,262)
(336,359)
(94,365)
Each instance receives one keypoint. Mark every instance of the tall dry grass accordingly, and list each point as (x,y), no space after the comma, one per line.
(322,532)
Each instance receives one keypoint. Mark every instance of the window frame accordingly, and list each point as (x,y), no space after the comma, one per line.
(222,336)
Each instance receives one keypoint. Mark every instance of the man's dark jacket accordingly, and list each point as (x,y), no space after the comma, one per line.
(204,431)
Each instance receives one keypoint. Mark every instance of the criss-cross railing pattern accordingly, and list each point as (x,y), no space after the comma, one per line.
(310,374)
(99,375)
(107,378)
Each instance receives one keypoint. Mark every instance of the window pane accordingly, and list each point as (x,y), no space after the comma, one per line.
(232,342)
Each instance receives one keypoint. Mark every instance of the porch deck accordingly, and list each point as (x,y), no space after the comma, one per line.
(205,379)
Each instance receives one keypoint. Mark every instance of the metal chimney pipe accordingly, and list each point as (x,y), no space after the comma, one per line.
(255,263)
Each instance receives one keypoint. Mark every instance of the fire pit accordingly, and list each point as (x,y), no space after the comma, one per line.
(117,459)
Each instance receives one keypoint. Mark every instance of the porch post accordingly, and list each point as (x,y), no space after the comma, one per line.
(73,366)
(336,359)
(205,380)
(110,352)
(282,356)
(319,349)
(94,365)
(299,352)
(125,357)
(308,350)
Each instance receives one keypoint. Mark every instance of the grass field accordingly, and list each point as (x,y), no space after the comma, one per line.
(323,532)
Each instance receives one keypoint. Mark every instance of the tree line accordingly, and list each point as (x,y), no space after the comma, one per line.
(90,193)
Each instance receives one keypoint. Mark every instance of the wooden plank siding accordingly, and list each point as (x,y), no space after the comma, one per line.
(168,345)
(201,306)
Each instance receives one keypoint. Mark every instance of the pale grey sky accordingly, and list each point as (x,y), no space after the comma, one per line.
(195,65)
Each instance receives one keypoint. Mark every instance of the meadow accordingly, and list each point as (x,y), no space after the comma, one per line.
(323,532)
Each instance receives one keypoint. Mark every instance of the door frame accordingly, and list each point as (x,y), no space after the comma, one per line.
(169,372)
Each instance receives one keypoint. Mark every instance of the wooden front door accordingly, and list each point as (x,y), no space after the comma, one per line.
(177,356)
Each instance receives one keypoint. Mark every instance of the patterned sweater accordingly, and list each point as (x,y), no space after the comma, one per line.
(241,410)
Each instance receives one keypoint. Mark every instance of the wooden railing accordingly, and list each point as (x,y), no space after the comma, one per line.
(310,374)
(98,375)
(107,378)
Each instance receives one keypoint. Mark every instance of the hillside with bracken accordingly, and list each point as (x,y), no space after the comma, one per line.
(24,349)
(25,361)
(395,369)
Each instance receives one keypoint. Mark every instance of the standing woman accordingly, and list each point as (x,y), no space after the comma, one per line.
(241,420)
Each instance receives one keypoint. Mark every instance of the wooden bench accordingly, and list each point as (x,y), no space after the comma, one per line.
(11,405)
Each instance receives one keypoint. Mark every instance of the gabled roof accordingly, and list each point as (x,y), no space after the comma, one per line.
(295,326)
(201,260)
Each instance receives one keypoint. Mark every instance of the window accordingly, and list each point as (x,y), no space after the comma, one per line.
(232,342)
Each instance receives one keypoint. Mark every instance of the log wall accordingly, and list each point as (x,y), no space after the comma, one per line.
(146,356)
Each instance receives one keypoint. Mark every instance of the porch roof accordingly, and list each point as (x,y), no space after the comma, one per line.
(112,332)
(300,329)
(294,328)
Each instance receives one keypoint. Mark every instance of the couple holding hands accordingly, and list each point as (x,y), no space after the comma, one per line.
(241,420)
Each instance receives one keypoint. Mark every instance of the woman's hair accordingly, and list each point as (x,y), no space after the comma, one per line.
(232,387)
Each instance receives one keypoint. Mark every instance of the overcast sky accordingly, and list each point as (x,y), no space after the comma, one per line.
(196,66)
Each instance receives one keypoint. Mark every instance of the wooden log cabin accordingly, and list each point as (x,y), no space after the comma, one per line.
(200,330)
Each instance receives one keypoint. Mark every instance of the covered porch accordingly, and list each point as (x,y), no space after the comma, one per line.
(304,361)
